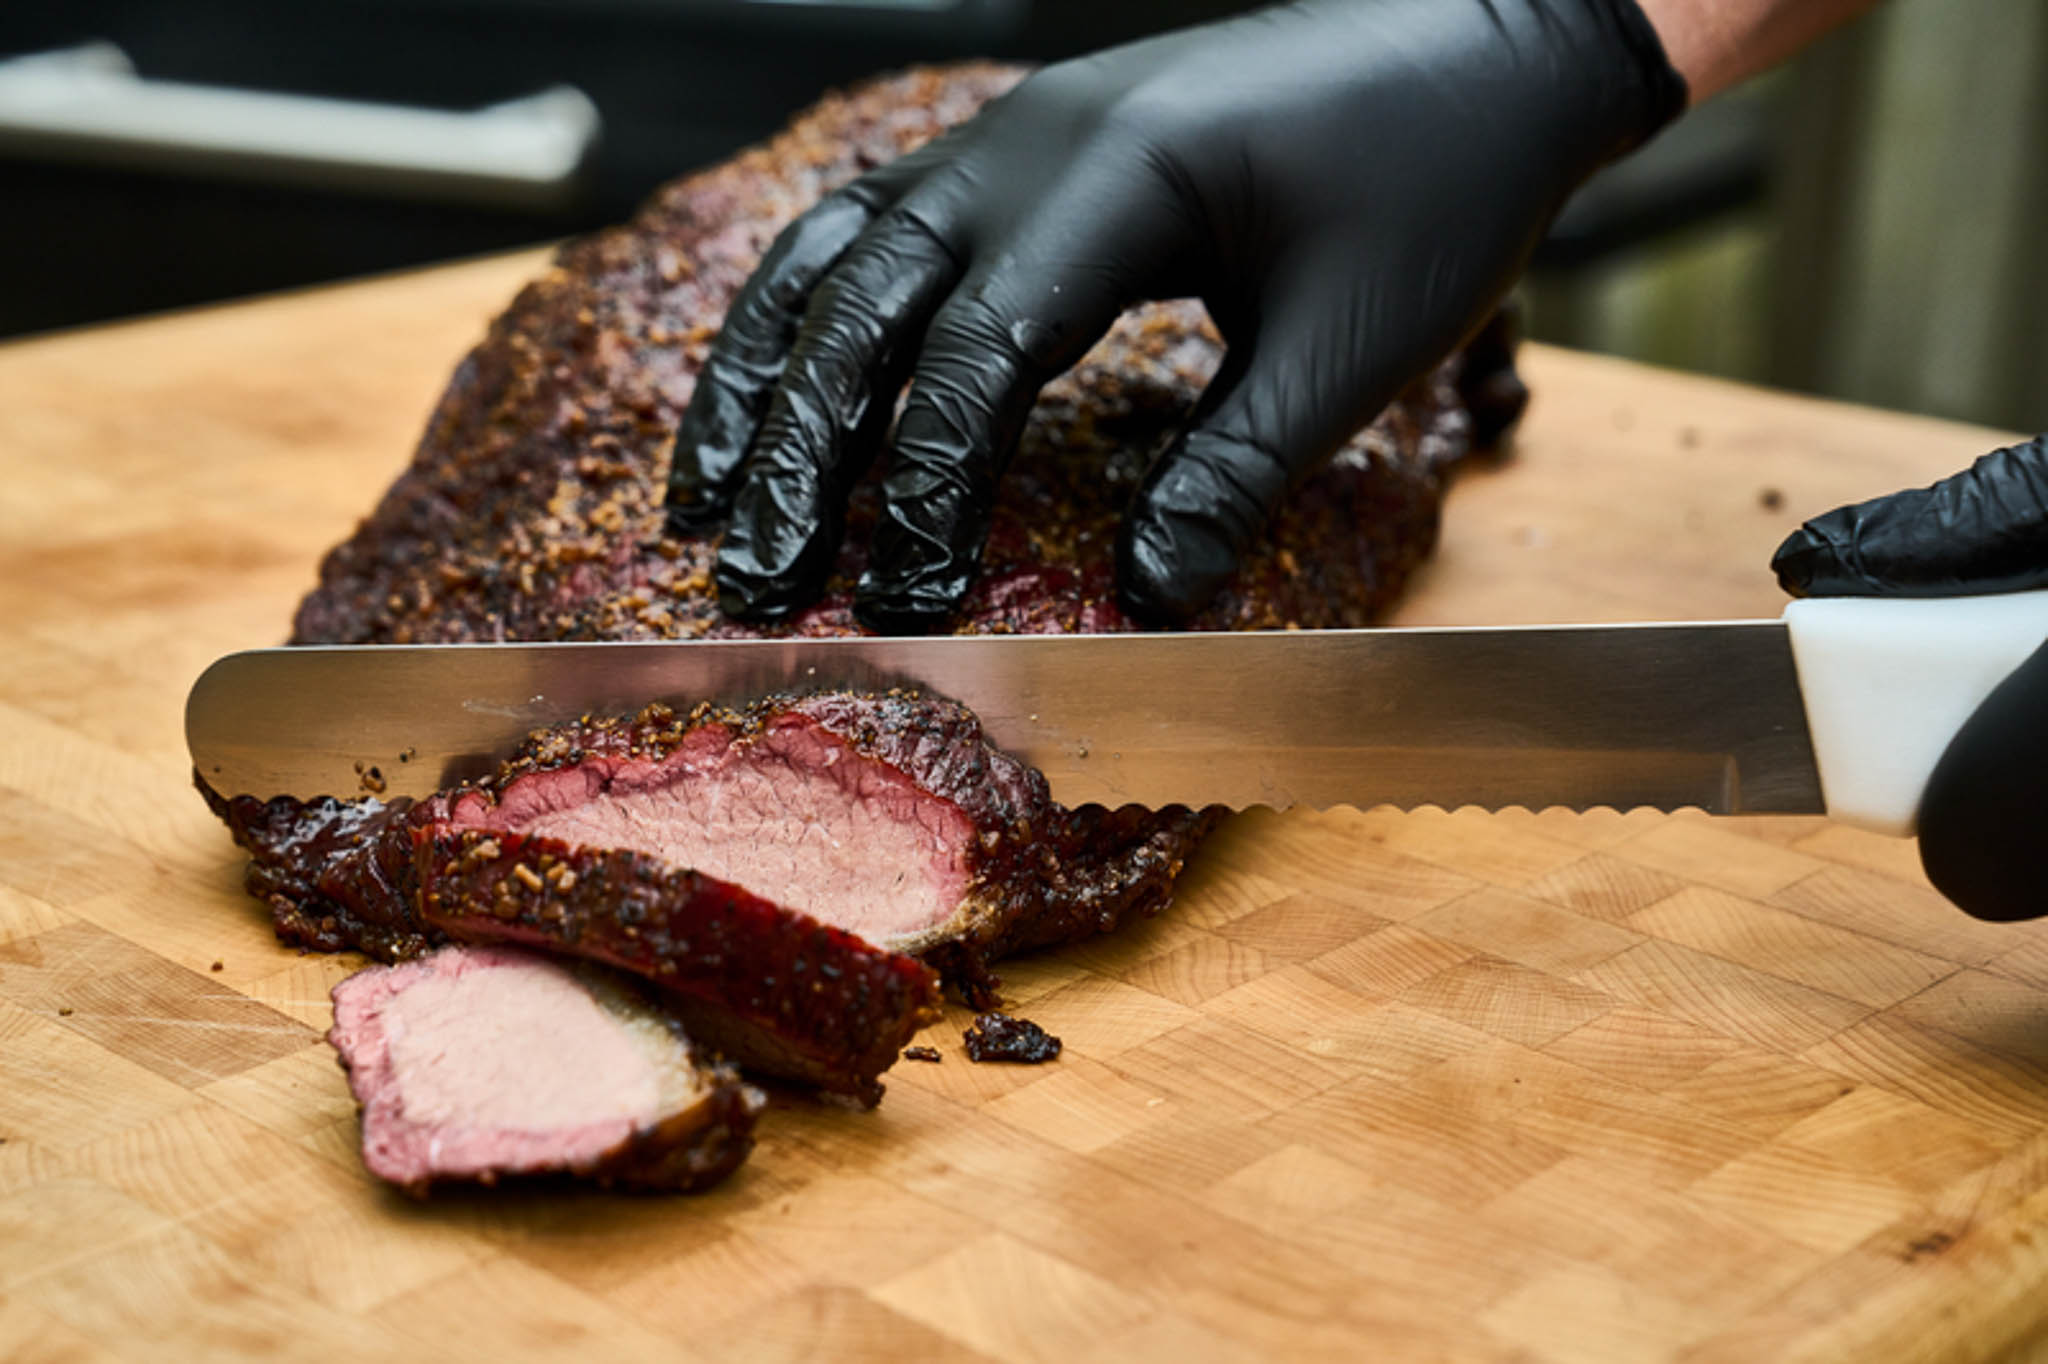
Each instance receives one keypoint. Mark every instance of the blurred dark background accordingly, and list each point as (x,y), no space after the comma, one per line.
(1866,223)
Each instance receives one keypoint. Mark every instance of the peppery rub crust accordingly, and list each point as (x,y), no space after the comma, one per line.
(531,509)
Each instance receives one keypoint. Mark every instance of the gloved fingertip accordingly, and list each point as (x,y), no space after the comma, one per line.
(1169,568)
(689,515)
(705,458)
(763,576)
(701,489)
(742,596)
(1825,558)
(902,616)
(923,604)
(1799,560)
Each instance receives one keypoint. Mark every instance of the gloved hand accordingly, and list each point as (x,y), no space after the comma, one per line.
(1349,185)
(1985,811)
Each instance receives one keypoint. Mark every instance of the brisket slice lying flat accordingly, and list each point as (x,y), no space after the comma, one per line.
(473,1063)
(887,817)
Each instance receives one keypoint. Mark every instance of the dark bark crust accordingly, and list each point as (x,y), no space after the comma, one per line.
(689,1151)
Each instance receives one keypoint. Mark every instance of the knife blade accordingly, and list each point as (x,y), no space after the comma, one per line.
(1713,715)
(1666,715)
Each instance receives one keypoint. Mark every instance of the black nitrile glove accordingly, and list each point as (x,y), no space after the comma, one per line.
(1349,185)
(1985,810)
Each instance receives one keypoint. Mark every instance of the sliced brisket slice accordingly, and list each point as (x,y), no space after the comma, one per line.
(767,986)
(889,816)
(629,841)
(780,993)
(475,1063)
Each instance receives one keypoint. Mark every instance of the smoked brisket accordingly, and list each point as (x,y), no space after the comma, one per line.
(531,510)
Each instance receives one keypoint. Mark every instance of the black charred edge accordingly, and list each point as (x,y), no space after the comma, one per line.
(1107,867)
(685,1153)
(334,874)
(1000,1038)
(689,1151)
(1100,869)
(964,970)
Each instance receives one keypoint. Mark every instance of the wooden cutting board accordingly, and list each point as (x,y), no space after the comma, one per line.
(1380,1085)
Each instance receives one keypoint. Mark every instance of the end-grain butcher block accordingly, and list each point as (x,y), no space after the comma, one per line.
(475,1063)
(849,844)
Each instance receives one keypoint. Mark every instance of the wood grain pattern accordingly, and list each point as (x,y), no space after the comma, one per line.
(1521,1086)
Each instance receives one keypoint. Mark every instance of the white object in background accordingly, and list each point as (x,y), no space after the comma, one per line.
(1888,682)
(87,104)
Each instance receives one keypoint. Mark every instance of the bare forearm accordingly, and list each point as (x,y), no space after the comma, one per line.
(1716,43)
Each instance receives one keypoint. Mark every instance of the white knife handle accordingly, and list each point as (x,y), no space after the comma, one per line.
(1888,682)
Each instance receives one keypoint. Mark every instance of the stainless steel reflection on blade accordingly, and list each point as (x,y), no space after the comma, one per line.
(1663,715)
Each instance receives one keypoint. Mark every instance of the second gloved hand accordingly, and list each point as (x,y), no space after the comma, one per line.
(1984,530)
(1348,185)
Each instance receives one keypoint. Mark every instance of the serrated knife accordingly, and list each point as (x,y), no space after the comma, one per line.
(1840,707)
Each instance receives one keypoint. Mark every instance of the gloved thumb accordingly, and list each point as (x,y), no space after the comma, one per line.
(1982,530)
(1980,817)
